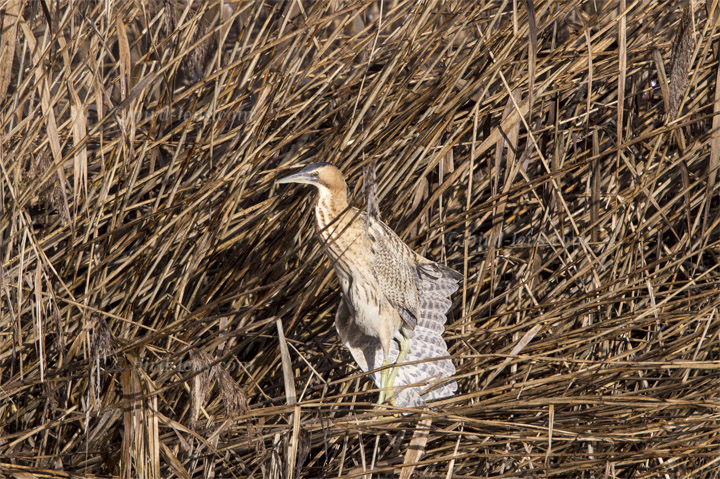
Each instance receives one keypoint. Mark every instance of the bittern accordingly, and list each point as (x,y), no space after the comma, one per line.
(389,293)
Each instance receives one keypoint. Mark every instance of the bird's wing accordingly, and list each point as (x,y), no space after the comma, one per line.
(393,265)
(415,383)
(436,284)
(368,354)
(420,290)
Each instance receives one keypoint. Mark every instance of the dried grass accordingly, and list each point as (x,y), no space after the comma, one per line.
(148,260)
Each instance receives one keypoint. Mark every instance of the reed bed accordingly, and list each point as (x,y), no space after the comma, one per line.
(165,310)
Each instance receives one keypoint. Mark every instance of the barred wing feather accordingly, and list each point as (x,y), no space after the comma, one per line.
(435,283)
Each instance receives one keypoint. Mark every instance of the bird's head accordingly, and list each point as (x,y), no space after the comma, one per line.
(324,176)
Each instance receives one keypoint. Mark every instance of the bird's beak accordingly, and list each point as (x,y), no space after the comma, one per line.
(300,177)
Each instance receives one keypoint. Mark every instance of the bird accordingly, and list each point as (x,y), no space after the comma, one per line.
(394,302)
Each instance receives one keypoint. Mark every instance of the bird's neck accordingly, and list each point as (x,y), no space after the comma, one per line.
(330,205)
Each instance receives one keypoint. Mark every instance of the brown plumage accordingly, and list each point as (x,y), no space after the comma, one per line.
(390,292)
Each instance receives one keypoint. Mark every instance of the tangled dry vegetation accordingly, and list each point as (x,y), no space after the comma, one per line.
(166,310)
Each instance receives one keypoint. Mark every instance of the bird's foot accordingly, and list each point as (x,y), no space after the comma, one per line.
(385,395)
(383,383)
(387,378)
(389,386)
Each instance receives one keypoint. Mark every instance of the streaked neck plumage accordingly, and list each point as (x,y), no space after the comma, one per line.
(332,202)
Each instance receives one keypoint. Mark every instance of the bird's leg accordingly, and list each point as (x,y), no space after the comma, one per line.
(383,382)
(404,348)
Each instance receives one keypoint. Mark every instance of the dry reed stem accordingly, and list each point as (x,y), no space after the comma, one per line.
(562,154)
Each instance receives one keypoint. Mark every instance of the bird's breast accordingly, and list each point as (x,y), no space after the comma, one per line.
(345,239)
(342,235)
